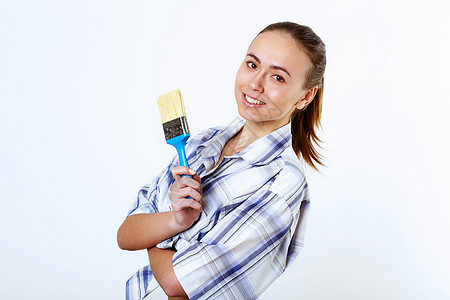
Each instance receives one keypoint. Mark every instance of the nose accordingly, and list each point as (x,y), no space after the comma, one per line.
(257,82)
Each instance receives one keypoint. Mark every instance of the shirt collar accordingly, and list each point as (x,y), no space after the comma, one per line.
(214,146)
(265,149)
(259,152)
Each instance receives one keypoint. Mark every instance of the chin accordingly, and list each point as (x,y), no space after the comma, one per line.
(250,117)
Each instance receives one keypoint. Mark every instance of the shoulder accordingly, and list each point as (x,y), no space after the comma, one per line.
(292,173)
(292,163)
(290,183)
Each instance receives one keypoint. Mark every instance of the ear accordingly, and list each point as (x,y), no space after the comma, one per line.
(307,98)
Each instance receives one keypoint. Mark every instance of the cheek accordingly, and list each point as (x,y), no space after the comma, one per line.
(238,83)
(240,76)
(283,100)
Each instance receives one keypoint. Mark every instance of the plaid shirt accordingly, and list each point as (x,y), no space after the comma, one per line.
(255,205)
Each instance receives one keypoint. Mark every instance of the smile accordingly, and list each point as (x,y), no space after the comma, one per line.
(252,101)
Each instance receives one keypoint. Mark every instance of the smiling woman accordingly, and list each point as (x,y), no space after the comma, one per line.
(247,178)
(269,83)
(280,76)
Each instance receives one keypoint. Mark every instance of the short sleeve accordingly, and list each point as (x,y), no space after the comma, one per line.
(298,239)
(298,199)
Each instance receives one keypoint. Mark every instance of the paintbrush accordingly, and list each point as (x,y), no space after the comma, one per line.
(174,121)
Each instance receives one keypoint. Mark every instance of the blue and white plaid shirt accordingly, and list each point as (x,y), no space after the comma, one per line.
(255,205)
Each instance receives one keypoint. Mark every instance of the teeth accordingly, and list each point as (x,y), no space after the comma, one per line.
(253,101)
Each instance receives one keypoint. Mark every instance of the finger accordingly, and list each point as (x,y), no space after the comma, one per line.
(196,177)
(179,171)
(190,192)
(189,182)
(185,193)
(183,203)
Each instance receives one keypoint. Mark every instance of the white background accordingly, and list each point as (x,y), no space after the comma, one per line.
(81,133)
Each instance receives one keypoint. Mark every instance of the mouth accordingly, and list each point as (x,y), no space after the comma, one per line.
(252,102)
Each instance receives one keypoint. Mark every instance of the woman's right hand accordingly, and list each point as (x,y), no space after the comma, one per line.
(186,210)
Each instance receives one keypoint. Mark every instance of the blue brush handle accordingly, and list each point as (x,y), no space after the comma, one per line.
(179,142)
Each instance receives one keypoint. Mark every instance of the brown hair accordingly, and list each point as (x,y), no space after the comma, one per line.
(304,122)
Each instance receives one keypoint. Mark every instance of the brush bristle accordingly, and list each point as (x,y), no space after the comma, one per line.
(171,106)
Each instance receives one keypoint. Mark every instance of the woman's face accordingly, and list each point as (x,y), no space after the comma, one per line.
(269,83)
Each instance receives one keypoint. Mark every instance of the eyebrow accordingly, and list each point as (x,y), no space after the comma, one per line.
(272,66)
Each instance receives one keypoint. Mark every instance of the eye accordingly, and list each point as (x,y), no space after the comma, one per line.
(278,78)
(251,65)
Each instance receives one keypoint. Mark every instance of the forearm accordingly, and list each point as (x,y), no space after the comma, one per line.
(162,269)
(144,231)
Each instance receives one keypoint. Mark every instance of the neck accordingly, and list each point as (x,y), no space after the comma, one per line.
(247,135)
(250,133)
(253,131)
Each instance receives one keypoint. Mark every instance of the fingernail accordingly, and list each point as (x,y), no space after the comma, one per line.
(191,171)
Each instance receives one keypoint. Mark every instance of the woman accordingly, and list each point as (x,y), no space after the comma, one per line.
(230,230)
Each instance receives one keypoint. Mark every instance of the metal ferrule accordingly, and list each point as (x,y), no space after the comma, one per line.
(175,127)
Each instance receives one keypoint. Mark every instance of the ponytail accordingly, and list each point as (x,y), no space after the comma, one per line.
(303,128)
